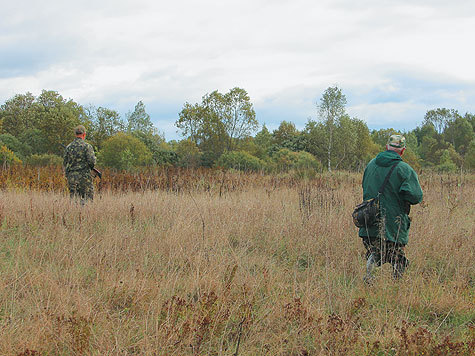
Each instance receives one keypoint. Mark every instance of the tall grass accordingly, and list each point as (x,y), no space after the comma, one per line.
(262,269)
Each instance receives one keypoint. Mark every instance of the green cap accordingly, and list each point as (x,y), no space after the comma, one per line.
(398,141)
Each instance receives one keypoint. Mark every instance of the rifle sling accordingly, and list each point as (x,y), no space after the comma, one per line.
(386,180)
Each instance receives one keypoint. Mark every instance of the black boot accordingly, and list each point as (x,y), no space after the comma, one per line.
(399,267)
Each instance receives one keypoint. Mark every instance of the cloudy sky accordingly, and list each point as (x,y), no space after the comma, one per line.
(394,60)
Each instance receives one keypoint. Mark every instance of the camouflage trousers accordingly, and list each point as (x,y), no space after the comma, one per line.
(81,186)
(386,252)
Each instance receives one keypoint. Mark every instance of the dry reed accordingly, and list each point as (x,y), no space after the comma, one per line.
(261,269)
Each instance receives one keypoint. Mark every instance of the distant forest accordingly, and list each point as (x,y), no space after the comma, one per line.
(223,131)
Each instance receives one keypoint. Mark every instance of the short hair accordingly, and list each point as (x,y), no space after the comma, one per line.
(79,130)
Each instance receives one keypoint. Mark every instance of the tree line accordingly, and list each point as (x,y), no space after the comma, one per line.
(222,131)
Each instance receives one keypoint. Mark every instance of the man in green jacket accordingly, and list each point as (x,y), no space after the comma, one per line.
(385,241)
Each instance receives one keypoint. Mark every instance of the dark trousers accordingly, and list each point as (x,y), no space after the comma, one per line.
(386,252)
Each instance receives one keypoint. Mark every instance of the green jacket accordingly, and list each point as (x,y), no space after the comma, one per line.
(402,189)
(79,158)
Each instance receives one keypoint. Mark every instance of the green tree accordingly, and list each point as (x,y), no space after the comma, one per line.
(105,123)
(139,121)
(7,157)
(35,139)
(446,164)
(191,120)
(315,138)
(239,117)
(440,118)
(411,141)
(426,130)
(428,149)
(285,134)
(188,153)
(330,110)
(56,118)
(17,114)
(123,151)
(365,149)
(469,161)
(240,160)
(263,140)
(305,161)
(471,119)
(459,133)
(218,123)
(381,136)
(411,158)
(15,145)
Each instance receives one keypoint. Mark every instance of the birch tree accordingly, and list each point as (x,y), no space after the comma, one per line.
(330,111)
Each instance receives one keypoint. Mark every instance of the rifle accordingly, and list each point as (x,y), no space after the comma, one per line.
(97,173)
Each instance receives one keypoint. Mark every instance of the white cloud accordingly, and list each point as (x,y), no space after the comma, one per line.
(284,53)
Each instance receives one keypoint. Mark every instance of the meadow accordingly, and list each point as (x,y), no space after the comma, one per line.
(204,263)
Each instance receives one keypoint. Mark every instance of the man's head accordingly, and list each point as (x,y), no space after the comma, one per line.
(80,131)
(396,143)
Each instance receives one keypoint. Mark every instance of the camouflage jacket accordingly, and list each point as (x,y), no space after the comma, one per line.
(78,157)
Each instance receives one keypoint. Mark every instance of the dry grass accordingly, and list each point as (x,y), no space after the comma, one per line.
(254,271)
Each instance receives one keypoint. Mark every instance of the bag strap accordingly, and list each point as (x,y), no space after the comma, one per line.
(386,180)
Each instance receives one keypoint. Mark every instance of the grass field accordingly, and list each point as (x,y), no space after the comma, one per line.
(262,269)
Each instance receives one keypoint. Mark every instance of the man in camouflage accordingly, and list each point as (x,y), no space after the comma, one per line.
(78,161)
(385,241)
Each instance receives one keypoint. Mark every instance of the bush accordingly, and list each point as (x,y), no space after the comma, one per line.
(44,160)
(412,159)
(286,159)
(446,164)
(470,156)
(7,157)
(306,165)
(188,153)
(240,160)
(124,152)
(36,140)
(165,157)
(15,145)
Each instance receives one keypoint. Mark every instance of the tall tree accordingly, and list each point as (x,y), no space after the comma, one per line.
(440,118)
(330,110)
(138,120)
(239,117)
(17,114)
(219,122)
(105,123)
(56,118)
(285,132)
(381,136)
(263,140)
(190,121)
(315,138)
(459,133)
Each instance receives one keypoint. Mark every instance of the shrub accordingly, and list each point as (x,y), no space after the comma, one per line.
(188,153)
(44,160)
(7,156)
(411,158)
(470,156)
(240,160)
(446,164)
(123,151)
(286,159)
(15,145)
(306,165)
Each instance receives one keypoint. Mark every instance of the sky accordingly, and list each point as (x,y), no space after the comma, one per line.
(393,60)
